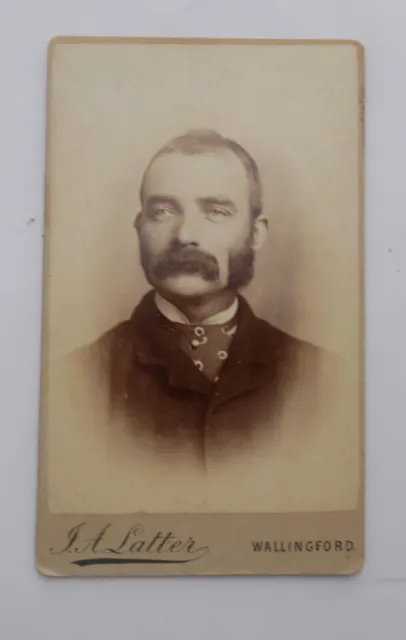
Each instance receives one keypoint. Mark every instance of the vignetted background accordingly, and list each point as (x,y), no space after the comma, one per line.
(294,108)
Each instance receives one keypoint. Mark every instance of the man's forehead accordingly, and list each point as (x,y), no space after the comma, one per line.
(212,170)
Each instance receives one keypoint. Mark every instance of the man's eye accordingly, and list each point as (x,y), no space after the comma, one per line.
(162,213)
(216,213)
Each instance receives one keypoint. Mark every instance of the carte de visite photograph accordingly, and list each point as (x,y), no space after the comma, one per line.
(202,346)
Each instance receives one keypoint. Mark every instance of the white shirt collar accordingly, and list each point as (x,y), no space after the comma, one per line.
(172,313)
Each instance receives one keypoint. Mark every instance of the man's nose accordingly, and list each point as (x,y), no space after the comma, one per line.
(188,230)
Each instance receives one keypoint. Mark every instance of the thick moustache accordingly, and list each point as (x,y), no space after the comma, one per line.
(187,260)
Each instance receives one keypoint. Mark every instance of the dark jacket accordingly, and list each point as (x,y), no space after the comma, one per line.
(153,387)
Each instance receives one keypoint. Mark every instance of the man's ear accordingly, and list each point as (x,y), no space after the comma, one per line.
(137,221)
(260,232)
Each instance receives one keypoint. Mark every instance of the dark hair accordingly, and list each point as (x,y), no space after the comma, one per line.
(199,141)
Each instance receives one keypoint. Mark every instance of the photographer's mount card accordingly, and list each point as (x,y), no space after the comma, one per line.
(202,362)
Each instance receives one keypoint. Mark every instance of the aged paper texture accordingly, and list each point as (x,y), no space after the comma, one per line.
(202,362)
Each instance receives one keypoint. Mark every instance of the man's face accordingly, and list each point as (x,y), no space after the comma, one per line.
(195,227)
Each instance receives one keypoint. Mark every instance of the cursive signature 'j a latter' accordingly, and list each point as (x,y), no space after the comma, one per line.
(80,541)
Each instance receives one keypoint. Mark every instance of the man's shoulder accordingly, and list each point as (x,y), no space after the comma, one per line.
(272,337)
(100,351)
(309,365)
(113,339)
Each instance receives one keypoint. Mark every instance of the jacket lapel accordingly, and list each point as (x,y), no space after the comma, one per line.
(243,369)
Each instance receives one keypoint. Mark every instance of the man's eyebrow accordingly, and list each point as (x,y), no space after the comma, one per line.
(218,200)
(162,199)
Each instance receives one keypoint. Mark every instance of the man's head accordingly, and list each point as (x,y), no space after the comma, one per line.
(201,216)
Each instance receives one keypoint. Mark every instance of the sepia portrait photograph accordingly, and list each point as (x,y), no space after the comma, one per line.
(203,297)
